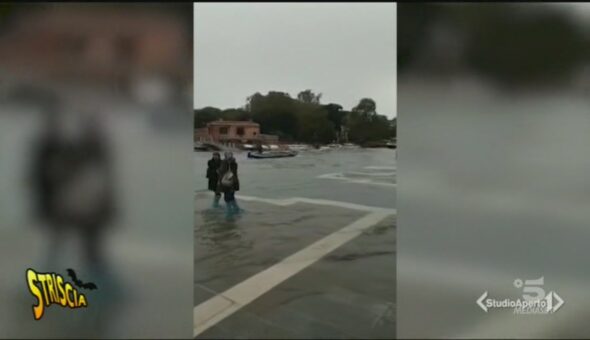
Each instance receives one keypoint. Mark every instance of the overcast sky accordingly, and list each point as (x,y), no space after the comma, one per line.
(346,51)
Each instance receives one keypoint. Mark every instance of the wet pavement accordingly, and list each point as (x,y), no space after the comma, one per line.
(295,267)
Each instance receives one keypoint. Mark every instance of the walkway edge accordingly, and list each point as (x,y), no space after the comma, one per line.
(214,310)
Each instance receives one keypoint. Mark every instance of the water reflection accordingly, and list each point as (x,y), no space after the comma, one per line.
(222,234)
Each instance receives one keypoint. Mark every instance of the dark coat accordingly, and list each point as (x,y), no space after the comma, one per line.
(49,171)
(213,173)
(57,167)
(232,166)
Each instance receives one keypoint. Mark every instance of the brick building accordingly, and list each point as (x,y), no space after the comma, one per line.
(233,132)
(96,42)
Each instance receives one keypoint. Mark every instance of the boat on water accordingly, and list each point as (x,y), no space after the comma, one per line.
(253,147)
(350,146)
(298,147)
(249,147)
(380,144)
(334,146)
(322,148)
(198,146)
(272,154)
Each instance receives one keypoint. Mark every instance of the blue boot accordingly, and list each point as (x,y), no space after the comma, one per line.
(216,201)
(229,210)
(235,207)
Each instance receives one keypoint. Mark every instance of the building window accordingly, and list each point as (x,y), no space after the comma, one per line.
(255,133)
(223,130)
(240,131)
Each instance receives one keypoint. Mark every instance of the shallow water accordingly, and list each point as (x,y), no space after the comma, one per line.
(305,175)
(352,285)
(493,188)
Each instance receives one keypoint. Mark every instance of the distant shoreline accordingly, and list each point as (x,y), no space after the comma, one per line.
(199,146)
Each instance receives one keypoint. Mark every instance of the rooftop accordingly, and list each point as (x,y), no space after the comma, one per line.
(233,122)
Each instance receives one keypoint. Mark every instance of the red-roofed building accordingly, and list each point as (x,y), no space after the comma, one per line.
(239,131)
(231,131)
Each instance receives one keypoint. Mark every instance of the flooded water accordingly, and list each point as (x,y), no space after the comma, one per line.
(493,188)
(331,174)
(312,254)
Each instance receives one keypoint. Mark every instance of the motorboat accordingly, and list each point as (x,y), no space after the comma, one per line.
(198,146)
(272,154)
(350,146)
(334,146)
(298,147)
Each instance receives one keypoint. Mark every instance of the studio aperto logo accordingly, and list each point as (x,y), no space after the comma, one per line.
(534,300)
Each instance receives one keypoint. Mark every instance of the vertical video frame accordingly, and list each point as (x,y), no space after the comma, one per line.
(295,167)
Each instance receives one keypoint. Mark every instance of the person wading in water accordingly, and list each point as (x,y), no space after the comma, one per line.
(229,183)
(73,186)
(213,175)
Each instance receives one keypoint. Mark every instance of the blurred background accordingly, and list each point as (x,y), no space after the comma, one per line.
(493,103)
(95,115)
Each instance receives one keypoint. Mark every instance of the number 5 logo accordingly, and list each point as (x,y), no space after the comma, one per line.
(532,290)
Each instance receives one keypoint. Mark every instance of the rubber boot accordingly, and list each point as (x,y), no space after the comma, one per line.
(229,211)
(216,201)
(236,207)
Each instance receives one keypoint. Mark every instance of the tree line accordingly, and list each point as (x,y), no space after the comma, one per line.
(306,119)
(511,45)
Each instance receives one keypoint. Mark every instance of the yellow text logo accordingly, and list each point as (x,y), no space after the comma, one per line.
(51,288)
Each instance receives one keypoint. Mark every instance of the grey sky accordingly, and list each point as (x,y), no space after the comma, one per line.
(346,51)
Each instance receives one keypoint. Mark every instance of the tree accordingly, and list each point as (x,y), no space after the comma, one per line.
(414,23)
(206,115)
(337,117)
(236,114)
(275,112)
(366,107)
(335,114)
(307,96)
(538,45)
(253,101)
(393,127)
(365,125)
(304,119)
(314,126)
(509,44)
